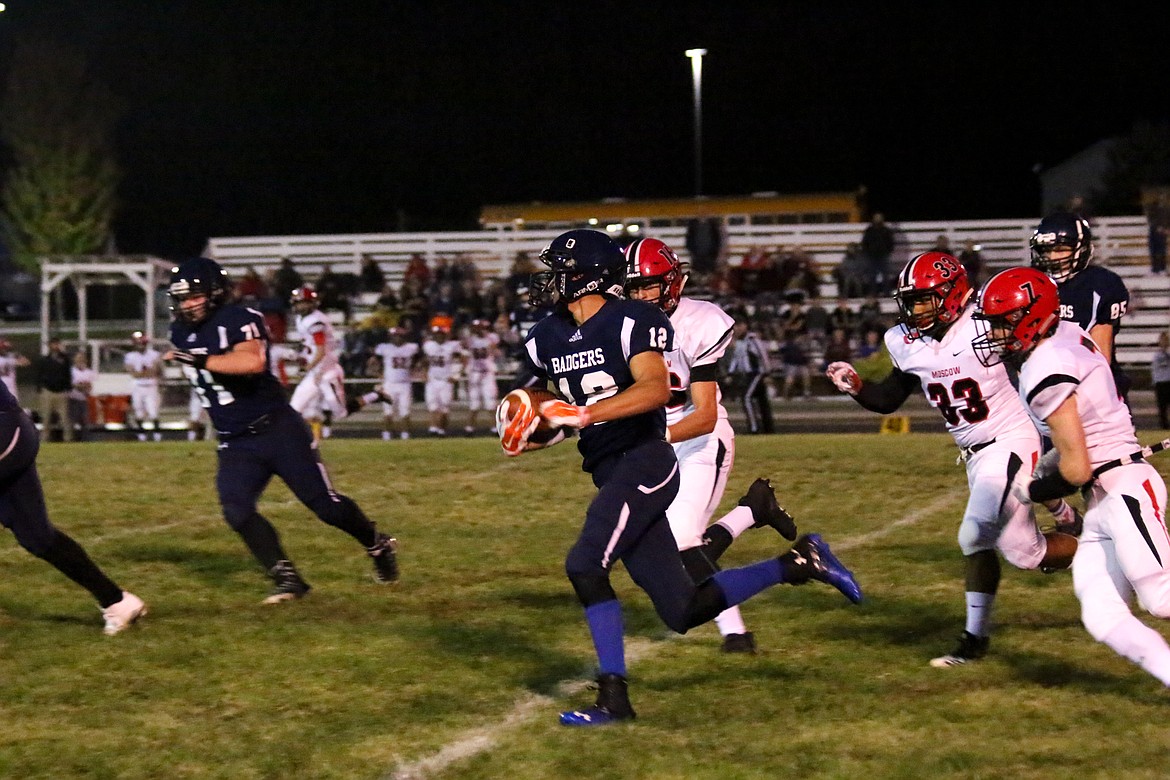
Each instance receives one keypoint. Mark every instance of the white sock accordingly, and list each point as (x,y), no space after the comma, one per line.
(979,612)
(737,521)
(190,435)
(1142,645)
(730,621)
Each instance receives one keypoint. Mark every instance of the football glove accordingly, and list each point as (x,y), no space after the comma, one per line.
(1048,463)
(844,376)
(515,432)
(198,361)
(561,414)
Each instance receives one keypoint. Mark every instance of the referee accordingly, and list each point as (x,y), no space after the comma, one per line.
(749,370)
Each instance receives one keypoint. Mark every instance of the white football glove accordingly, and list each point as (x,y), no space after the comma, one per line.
(844,376)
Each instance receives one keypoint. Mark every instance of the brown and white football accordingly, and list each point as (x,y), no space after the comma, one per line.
(532,398)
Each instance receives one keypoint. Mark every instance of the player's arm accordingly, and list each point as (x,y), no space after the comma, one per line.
(246,357)
(1074,467)
(1102,335)
(705,397)
(882,397)
(319,352)
(650,391)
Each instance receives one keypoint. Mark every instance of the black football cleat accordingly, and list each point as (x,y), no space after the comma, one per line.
(288,584)
(613,704)
(352,406)
(740,643)
(970,648)
(761,499)
(811,559)
(384,553)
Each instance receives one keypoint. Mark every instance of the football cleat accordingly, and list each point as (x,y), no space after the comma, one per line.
(122,614)
(288,584)
(740,643)
(613,704)
(811,559)
(970,648)
(385,556)
(761,499)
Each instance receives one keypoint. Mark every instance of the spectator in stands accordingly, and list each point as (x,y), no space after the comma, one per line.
(870,314)
(251,288)
(871,342)
(442,273)
(285,279)
(852,273)
(816,323)
(942,243)
(519,276)
(388,299)
(443,302)
(704,244)
(417,271)
(793,319)
(415,302)
(839,348)
(331,290)
(469,303)
(54,372)
(464,269)
(971,258)
(799,272)
(794,364)
(747,279)
(844,318)
(83,378)
(1160,376)
(370,275)
(877,245)
(1157,209)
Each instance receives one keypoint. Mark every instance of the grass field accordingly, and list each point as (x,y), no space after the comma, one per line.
(461,669)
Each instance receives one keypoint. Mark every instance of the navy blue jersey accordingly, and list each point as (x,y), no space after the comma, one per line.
(1097,296)
(592,362)
(232,400)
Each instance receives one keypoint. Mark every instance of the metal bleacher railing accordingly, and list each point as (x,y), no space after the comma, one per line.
(1120,243)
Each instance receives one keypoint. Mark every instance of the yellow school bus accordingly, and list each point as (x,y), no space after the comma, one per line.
(763,208)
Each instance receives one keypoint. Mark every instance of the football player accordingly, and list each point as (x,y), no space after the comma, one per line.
(605,355)
(22,511)
(482,350)
(1066,383)
(399,357)
(10,360)
(223,349)
(697,427)
(443,359)
(1091,296)
(144,364)
(932,353)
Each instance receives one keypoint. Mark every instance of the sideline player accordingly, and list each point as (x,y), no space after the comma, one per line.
(399,357)
(144,364)
(697,427)
(22,511)
(932,353)
(1067,385)
(223,350)
(483,393)
(443,358)
(1091,296)
(605,354)
(10,360)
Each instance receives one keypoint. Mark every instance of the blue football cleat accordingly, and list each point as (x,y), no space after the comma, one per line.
(811,558)
(613,704)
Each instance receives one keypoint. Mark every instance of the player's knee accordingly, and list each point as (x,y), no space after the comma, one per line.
(37,538)
(591,587)
(237,515)
(974,537)
(1153,594)
(697,564)
(707,602)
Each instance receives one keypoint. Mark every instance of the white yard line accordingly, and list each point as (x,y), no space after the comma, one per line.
(480,740)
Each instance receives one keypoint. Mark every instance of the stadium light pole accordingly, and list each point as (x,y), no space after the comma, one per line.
(696,58)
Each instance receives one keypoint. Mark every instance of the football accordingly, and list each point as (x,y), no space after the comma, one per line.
(530,397)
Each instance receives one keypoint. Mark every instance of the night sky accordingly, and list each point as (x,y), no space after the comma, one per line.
(274,117)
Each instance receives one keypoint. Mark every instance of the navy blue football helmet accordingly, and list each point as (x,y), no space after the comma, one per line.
(1062,231)
(581,262)
(194,277)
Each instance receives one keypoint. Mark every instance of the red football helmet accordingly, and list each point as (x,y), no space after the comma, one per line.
(938,280)
(304,294)
(650,262)
(1017,308)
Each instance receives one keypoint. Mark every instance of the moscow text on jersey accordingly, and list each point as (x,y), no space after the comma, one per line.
(591,362)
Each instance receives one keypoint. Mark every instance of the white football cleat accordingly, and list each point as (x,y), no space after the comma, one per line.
(121,615)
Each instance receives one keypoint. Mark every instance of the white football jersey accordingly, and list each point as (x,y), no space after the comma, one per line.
(8,372)
(702,333)
(441,359)
(316,336)
(1069,362)
(978,403)
(482,352)
(149,360)
(397,360)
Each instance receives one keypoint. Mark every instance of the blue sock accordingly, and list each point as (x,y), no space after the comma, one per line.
(605,625)
(741,584)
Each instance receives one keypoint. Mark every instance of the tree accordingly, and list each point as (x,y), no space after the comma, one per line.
(57,123)
(1139,159)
